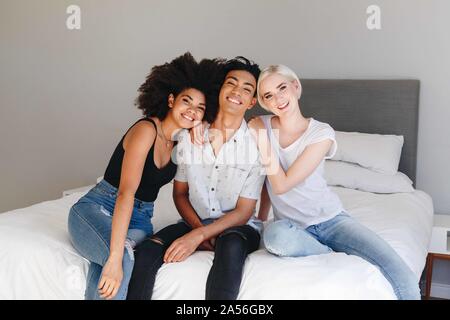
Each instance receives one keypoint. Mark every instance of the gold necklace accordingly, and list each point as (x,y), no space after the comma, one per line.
(167,143)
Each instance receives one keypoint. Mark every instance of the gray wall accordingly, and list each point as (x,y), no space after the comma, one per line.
(67,96)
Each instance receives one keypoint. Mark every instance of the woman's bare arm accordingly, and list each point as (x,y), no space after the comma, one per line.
(282,181)
(137,145)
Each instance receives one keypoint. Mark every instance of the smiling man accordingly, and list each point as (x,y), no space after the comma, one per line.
(215,191)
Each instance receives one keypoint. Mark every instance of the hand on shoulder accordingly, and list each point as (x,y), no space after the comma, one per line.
(256,123)
(197,132)
(255,126)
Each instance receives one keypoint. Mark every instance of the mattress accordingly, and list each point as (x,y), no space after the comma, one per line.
(37,260)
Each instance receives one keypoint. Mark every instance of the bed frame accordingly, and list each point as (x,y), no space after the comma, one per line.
(370,106)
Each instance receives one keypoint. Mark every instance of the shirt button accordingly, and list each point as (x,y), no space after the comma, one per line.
(217,167)
(213,209)
(212,189)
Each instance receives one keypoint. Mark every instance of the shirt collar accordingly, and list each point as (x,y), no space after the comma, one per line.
(238,135)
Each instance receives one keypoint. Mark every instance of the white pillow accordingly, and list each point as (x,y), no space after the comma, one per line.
(380,153)
(352,176)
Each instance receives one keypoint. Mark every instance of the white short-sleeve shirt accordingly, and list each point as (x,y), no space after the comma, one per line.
(311,201)
(216,183)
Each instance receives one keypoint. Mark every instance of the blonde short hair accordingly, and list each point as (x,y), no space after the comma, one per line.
(278,69)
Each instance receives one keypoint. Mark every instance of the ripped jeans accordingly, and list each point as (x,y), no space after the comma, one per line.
(90,225)
(224,279)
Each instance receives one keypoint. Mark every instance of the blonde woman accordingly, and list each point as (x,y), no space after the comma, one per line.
(309,217)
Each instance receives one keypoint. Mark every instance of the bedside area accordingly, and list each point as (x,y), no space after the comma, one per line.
(439,247)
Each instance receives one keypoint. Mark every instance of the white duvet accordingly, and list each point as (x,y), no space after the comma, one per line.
(37,260)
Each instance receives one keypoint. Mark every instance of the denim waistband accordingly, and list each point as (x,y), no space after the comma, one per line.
(108,188)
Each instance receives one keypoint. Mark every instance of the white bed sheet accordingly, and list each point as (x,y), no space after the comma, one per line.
(37,260)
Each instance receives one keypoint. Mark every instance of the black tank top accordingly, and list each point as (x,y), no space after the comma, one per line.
(152,177)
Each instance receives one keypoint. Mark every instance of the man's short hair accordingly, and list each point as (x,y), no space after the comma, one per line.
(242,63)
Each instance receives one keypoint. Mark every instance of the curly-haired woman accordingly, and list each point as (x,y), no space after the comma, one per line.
(115,215)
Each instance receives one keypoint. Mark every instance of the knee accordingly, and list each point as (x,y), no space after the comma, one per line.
(129,249)
(231,242)
(278,227)
(275,236)
(149,248)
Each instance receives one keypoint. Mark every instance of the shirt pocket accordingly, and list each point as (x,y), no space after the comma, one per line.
(238,170)
(235,177)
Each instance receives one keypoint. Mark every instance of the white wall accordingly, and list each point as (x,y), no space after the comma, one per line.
(66,97)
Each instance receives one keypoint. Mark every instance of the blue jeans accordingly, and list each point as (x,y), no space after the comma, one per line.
(343,234)
(90,225)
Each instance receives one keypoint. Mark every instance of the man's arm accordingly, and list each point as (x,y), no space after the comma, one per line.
(180,191)
(237,217)
(184,246)
(264,205)
(245,205)
(187,212)
(181,198)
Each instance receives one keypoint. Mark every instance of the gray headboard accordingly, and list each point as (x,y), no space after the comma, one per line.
(371,106)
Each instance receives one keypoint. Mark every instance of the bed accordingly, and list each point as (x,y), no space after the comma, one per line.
(37,260)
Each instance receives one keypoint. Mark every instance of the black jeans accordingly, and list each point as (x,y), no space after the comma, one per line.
(224,279)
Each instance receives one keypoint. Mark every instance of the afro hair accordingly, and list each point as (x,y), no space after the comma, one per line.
(182,73)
